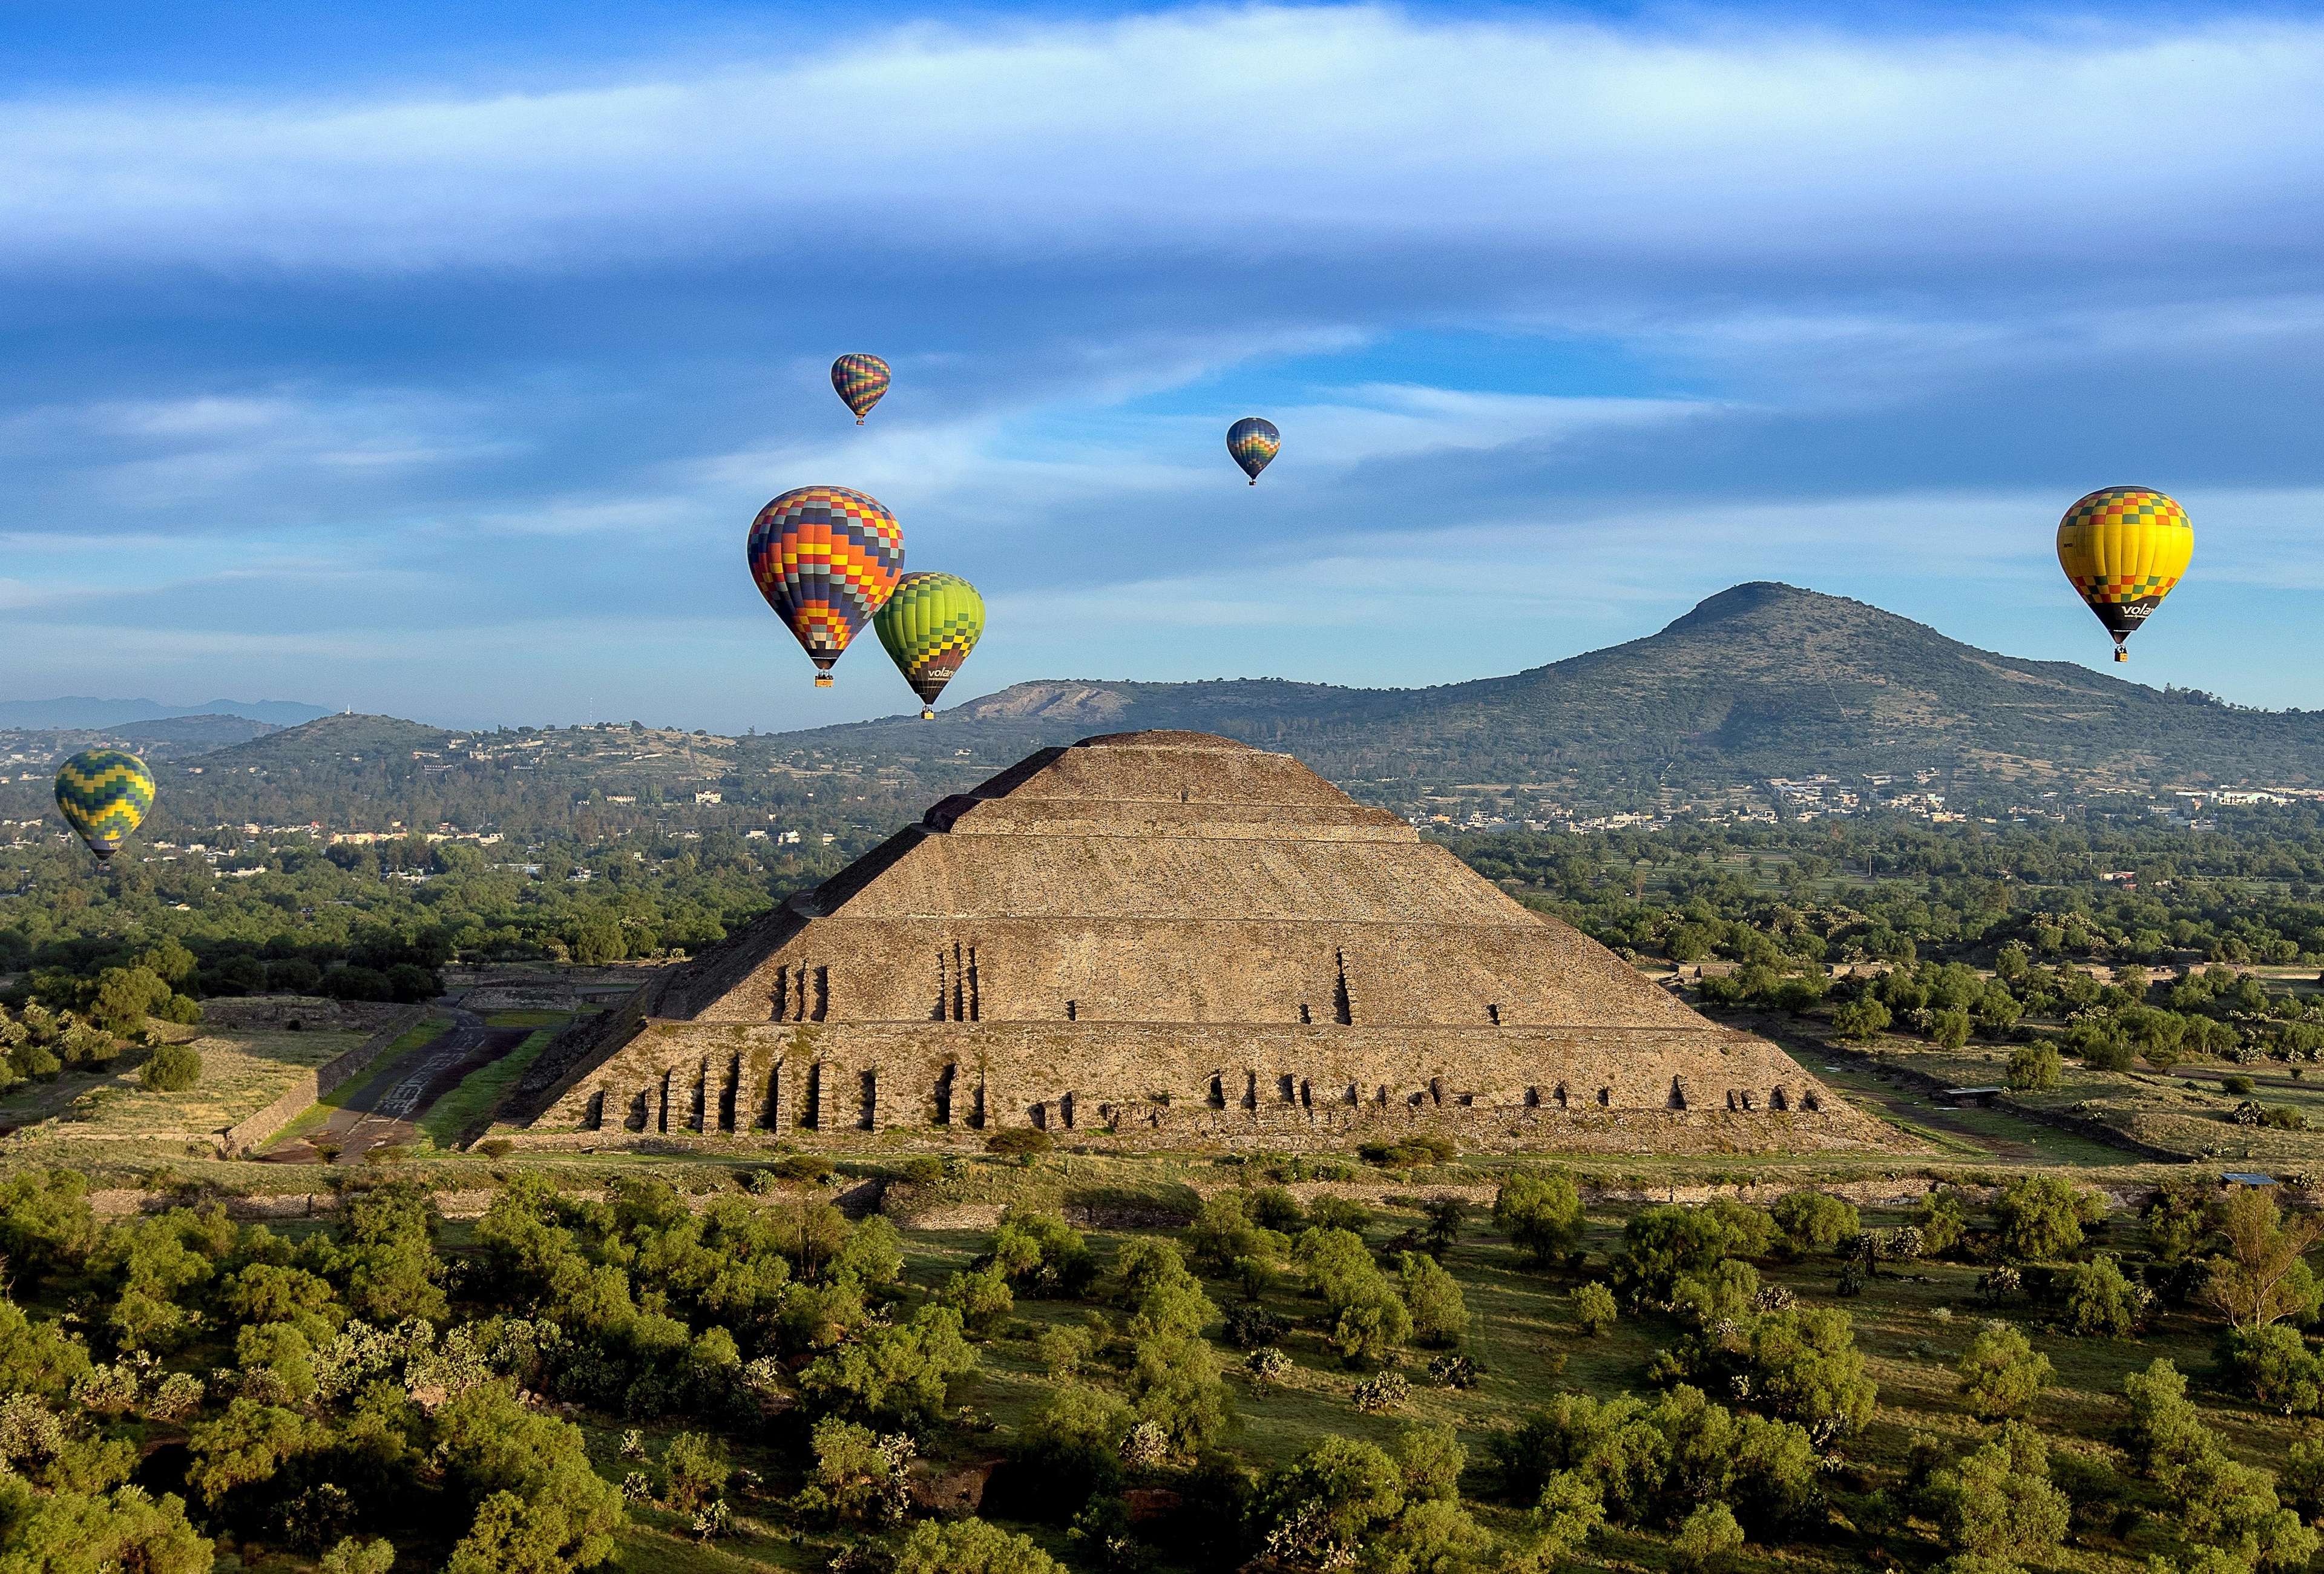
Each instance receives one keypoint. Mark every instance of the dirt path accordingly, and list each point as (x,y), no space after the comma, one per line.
(386,1110)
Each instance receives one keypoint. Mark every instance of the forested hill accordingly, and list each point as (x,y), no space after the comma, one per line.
(1761,681)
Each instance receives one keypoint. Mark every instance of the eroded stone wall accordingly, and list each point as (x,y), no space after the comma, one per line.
(1698,1090)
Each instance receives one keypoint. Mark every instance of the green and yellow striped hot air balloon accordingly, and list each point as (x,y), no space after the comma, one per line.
(103,794)
(929,625)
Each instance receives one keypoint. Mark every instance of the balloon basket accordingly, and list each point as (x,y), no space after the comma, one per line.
(823,679)
(927,714)
(2120,654)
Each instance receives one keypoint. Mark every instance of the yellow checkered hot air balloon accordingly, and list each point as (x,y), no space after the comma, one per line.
(103,794)
(929,625)
(2124,547)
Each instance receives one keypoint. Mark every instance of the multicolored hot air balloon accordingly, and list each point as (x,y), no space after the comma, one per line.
(860,381)
(825,559)
(929,625)
(103,794)
(2124,547)
(1253,442)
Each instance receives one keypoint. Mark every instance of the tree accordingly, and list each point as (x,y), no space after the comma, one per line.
(70,1531)
(1804,1366)
(126,996)
(1177,1382)
(1860,1020)
(899,1372)
(2035,1067)
(1950,1029)
(1593,1310)
(1707,1539)
(2042,1217)
(350,1556)
(1814,1222)
(2262,1277)
(538,1506)
(2001,1373)
(1541,1213)
(1329,1501)
(249,1443)
(982,1299)
(1439,1315)
(2275,1366)
(698,1471)
(172,1068)
(2100,1302)
(1998,1503)
(971,1546)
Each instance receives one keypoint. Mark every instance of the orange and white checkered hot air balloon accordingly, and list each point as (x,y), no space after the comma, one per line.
(2124,547)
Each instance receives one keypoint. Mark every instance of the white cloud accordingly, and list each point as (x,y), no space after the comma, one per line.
(1263,131)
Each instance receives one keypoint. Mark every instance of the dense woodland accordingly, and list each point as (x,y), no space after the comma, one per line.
(367,1395)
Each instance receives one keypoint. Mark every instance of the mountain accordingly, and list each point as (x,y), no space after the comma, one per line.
(1760,680)
(81,713)
(211,731)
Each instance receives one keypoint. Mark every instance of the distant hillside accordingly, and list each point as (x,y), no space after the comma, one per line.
(81,713)
(1759,681)
(215,731)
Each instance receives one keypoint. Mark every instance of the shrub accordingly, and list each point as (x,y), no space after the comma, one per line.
(1021,1143)
(1593,1310)
(982,1299)
(1338,1213)
(1268,1365)
(2042,1217)
(1047,1255)
(172,1068)
(2035,1067)
(1542,1214)
(1707,1539)
(1860,1020)
(2001,1373)
(808,1166)
(971,1546)
(1381,1394)
(1998,1505)
(1814,1222)
(2274,1365)
(1804,1367)
(2100,1302)
(1178,1384)
(922,1171)
(2240,1085)
(1950,1029)
(1439,1315)
(698,1471)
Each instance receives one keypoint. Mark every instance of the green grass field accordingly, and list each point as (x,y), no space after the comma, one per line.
(468,1104)
(418,1037)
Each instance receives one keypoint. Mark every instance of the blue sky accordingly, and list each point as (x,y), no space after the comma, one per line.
(434,360)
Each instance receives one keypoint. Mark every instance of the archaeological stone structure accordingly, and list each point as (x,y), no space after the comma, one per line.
(1164,939)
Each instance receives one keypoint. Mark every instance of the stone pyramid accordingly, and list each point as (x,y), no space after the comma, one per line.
(1163,938)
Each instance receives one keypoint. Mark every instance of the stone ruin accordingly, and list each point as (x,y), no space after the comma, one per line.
(1163,939)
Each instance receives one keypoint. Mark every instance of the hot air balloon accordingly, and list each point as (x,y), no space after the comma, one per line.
(2124,547)
(825,559)
(860,381)
(1253,442)
(929,625)
(103,794)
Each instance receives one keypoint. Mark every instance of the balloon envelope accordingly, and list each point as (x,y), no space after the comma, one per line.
(103,794)
(860,381)
(1254,443)
(2124,547)
(825,559)
(929,625)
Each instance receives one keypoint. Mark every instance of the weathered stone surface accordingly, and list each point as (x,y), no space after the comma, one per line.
(1164,938)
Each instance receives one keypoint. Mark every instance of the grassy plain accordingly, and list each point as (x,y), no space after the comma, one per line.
(243,1072)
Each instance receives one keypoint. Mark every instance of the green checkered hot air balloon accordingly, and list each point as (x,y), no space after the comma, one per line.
(929,625)
(103,794)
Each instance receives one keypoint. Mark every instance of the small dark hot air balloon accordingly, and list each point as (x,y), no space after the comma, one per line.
(825,559)
(2124,547)
(929,625)
(860,381)
(103,794)
(1254,443)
